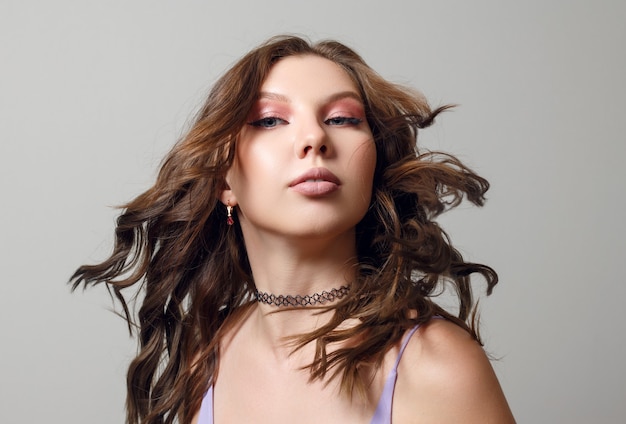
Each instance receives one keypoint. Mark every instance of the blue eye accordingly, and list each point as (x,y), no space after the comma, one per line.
(269,122)
(341,120)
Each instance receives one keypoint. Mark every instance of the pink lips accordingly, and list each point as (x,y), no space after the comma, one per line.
(316,182)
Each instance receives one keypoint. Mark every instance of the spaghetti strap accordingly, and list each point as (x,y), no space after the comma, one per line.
(405,342)
(206,408)
(382,415)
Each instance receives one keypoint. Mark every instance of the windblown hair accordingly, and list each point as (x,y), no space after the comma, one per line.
(193,269)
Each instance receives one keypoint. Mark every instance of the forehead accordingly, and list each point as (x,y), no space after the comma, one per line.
(307,74)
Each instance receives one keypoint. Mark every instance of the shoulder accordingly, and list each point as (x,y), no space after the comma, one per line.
(445,376)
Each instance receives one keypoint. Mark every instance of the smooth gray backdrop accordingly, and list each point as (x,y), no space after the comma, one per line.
(93,93)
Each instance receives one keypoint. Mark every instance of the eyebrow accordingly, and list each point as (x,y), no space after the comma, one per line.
(273,96)
(344,95)
(266,95)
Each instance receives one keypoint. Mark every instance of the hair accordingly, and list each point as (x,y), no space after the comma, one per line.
(192,269)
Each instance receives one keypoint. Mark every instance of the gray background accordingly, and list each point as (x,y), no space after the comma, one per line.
(93,93)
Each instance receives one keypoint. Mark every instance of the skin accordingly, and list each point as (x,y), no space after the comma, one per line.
(301,240)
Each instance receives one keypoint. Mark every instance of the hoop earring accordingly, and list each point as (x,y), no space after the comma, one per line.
(229,213)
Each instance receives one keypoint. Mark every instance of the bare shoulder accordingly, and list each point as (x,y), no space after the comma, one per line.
(445,376)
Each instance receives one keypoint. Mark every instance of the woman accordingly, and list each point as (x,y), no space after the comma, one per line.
(289,258)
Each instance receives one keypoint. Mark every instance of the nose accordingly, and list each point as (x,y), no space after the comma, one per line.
(312,139)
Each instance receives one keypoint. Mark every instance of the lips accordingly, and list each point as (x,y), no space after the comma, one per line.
(316,182)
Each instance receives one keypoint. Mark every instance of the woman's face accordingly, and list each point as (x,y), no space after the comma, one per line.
(305,159)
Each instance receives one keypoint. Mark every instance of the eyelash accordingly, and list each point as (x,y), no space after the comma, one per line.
(268,122)
(343,120)
(272,121)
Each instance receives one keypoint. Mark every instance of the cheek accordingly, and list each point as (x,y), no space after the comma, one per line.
(253,170)
(365,161)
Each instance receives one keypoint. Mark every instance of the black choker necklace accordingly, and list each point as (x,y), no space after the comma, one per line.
(308,300)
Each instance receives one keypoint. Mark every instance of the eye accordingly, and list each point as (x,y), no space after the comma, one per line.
(269,122)
(342,120)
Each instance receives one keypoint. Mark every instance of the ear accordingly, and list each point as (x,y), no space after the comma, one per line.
(227,197)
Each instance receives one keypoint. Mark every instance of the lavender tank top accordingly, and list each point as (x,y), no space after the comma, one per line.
(382,415)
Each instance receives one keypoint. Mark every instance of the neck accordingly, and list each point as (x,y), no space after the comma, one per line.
(301,266)
(297,267)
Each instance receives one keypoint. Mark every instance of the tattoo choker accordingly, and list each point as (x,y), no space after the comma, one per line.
(308,300)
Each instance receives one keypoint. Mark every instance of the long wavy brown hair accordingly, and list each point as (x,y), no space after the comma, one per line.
(193,273)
